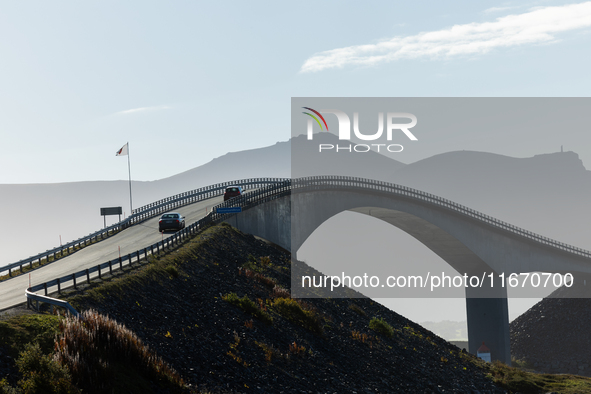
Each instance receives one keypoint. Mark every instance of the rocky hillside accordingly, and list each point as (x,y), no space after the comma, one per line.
(218,311)
(553,335)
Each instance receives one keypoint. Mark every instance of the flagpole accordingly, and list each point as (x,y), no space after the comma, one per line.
(129,170)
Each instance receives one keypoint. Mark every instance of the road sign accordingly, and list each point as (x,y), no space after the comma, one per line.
(111,211)
(229,210)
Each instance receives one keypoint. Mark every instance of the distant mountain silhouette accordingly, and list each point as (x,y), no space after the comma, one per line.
(271,161)
(486,173)
(547,193)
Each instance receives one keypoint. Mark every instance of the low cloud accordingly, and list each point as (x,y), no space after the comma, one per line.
(142,109)
(492,10)
(538,26)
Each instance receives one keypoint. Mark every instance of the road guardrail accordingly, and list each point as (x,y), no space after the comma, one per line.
(139,215)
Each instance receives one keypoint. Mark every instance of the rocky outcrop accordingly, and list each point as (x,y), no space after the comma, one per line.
(554,335)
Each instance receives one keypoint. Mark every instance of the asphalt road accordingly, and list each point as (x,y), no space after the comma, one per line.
(12,291)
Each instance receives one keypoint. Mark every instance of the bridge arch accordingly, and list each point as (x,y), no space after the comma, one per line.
(468,241)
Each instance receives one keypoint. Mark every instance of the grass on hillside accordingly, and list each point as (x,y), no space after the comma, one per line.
(18,331)
(517,380)
(381,326)
(113,356)
(248,306)
(297,313)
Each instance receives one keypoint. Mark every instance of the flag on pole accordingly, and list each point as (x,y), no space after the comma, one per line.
(123,151)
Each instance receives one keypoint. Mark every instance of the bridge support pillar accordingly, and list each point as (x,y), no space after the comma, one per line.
(488,322)
(270,221)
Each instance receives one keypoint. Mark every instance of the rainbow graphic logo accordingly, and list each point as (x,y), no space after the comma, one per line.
(315,118)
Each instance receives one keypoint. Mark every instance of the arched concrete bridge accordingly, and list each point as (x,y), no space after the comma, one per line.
(469,241)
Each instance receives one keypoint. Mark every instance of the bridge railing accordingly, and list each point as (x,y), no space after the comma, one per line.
(256,197)
(327,182)
(139,215)
(278,188)
(196,195)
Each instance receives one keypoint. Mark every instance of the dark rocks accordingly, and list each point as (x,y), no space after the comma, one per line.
(553,336)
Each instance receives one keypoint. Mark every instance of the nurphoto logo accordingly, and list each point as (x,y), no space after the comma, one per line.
(345,130)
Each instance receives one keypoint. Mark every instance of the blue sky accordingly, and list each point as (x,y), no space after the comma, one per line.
(185,82)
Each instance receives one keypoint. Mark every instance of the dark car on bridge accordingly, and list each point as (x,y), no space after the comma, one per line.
(171,221)
(232,191)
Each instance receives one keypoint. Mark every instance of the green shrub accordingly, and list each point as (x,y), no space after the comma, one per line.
(41,374)
(172,270)
(19,330)
(357,310)
(29,339)
(380,326)
(293,311)
(5,388)
(248,306)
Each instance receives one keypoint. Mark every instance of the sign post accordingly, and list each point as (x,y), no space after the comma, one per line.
(110,211)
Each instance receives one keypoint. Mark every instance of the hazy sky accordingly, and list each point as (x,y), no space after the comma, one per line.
(187,81)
